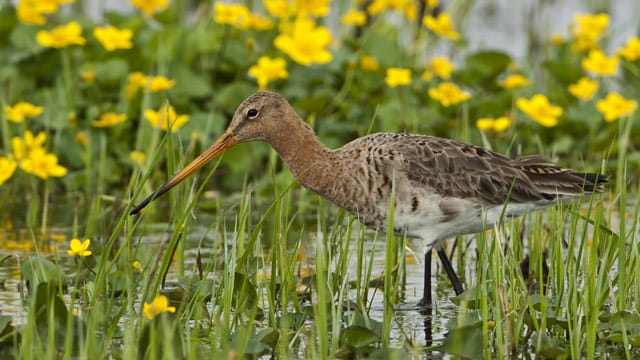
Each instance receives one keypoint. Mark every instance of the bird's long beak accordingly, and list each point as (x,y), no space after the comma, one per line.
(224,142)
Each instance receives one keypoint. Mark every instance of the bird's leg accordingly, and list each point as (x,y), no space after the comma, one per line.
(446,263)
(426,303)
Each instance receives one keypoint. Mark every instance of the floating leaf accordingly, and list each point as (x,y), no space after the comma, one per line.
(36,270)
(465,342)
(358,337)
(549,347)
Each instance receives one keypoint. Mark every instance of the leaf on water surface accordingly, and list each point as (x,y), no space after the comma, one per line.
(470,298)
(549,347)
(466,319)
(268,336)
(38,270)
(51,313)
(624,319)
(364,321)
(245,295)
(259,343)
(465,342)
(633,340)
(621,323)
(389,353)
(357,337)
(552,318)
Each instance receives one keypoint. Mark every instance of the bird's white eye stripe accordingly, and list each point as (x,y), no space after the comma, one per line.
(252,113)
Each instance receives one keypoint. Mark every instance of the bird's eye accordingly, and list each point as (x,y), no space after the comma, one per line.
(252,113)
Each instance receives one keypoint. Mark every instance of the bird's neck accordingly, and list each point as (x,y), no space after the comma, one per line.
(306,157)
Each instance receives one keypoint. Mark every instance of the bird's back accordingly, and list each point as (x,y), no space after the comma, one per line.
(445,186)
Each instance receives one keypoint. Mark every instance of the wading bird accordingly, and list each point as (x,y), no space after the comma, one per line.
(443,188)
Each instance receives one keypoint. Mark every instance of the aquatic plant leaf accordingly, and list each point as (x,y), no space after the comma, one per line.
(111,72)
(363,320)
(470,298)
(358,337)
(268,336)
(465,342)
(549,347)
(245,294)
(37,270)
(563,71)
(389,353)
(482,68)
(618,338)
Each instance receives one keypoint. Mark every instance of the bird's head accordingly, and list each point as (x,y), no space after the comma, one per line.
(262,116)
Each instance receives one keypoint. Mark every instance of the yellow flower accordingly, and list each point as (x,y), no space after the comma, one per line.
(159,83)
(136,265)
(61,36)
(305,42)
(166,118)
(441,25)
(590,26)
(159,305)
(599,64)
(540,110)
(432,4)
(109,120)
(448,94)
(135,82)
(18,112)
(498,124)
(277,8)
(267,70)
(31,12)
(354,17)
(584,89)
(631,51)
(587,30)
(81,138)
(89,76)
(23,147)
(7,168)
(113,38)
(316,8)
(259,23)
(231,14)
(614,106)
(77,248)
(138,157)
(42,164)
(150,7)
(441,67)
(514,81)
(369,63)
(398,77)
(408,7)
(427,76)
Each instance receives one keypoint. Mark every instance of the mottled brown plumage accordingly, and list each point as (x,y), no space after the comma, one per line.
(443,187)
